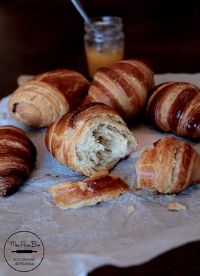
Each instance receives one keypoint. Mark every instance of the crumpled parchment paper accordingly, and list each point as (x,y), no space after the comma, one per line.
(125,231)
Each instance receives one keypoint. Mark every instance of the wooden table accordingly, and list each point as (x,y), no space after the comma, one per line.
(181,261)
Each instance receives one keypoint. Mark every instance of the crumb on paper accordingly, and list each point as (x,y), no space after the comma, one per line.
(137,190)
(50,175)
(131,209)
(176,206)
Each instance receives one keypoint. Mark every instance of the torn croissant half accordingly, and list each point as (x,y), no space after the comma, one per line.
(95,189)
(91,139)
(170,167)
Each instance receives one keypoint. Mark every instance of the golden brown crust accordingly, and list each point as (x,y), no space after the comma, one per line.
(82,139)
(17,158)
(70,83)
(170,167)
(45,98)
(122,86)
(175,107)
(88,192)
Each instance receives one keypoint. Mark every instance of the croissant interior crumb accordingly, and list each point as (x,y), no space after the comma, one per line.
(104,145)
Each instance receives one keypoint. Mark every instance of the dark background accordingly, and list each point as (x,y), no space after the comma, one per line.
(37,36)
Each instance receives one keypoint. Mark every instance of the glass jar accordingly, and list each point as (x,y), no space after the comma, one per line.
(104,42)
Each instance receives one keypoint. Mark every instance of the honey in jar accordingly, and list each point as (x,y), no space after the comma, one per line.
(104,42)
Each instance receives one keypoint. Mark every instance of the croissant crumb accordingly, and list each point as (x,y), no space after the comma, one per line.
(176,206)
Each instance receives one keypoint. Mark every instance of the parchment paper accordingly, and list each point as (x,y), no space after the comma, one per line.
(126,231)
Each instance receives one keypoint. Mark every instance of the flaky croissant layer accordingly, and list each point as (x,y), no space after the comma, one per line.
(92,190)
(17,158)
(42,100)
(170,167)
(90,140)
(175,107)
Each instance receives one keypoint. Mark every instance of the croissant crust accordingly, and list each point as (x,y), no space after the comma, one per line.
(45,98)
(175,107)
(123,87)
(17,158)
(88,192)
(170,167)
(91,139)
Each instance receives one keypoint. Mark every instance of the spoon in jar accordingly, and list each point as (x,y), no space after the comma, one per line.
(84,15)
(81,10)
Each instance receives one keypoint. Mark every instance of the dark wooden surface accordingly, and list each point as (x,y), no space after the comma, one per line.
(177,262)
(37,36)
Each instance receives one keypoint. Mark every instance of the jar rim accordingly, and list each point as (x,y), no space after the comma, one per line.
(101,23)
(106,19)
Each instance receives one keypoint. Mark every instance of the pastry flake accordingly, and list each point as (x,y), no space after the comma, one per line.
(91,191)
(176,206)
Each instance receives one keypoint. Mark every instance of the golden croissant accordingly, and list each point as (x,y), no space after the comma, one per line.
(175,107)
(123,87)
(170,167)
(17,158)
(91,139)
(45,98)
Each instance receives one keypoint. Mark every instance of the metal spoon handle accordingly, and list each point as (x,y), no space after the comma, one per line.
(81,10)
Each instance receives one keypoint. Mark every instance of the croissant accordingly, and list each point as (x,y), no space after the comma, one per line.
(45,98)
(95,189)
(17,158)
(123,87)
(175,107)
(170,167)
(91,139)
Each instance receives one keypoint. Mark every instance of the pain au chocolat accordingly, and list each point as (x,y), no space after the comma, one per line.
(17,158)
(91,139)
(175,107)
(122,86)
(42,100)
